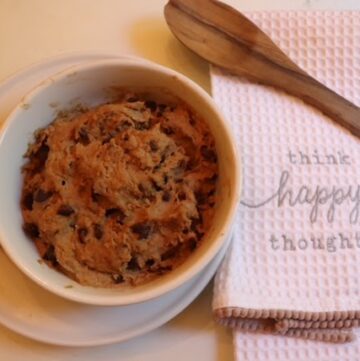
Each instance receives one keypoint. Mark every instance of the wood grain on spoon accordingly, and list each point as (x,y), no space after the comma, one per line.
(226,38)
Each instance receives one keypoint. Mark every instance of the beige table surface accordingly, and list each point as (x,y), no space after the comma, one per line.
(31,30)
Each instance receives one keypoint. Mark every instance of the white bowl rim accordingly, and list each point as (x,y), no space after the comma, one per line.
(125,299)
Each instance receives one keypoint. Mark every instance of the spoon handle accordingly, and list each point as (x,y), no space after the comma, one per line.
(301,85)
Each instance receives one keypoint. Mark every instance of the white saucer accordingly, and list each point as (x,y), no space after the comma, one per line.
(36,313)
(31,311)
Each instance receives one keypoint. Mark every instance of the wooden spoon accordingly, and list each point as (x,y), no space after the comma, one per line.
(226,38)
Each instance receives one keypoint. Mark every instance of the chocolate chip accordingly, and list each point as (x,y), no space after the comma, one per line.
(84,136)
(126,137)
(63,182)
(142,230)
(31,230)
(162,159)
(213,179)
(141,188)
(98,231)
(42,196)
(170,253)
(40,157)
(125,124)
(118,278)
(28,201)
(109,136)
(165,178)
(112,133)
(132,99)
(112,211)
(200,197)
(149,262)
(133,264)
(65,210)
(192,120)
(82,233)
(185,231)
(208,154)
(199,235)
(96,197)
(211,193)
(142,125)
(192,243)
(156,187)
(42,153)
(162,107)
(151,104)
(191,164)
(153,145)
(182,196)
(116,213)
(166,196)
(167,130)
(195,223)
(50,255)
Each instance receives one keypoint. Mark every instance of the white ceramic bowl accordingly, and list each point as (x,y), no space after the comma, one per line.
(89,84)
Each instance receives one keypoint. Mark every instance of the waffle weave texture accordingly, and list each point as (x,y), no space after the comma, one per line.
(296,248)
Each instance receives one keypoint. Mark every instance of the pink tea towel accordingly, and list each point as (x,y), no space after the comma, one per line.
(294,265)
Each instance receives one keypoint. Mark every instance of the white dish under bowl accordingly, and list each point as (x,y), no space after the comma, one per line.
(89,84)
(33,312)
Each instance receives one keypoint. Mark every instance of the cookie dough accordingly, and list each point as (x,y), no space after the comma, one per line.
(121,193)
